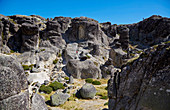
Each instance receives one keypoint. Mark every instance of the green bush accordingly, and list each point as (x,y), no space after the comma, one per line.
(11,51)
(104,97)
(89,80)
(42,50)
(96,82)
(26,67)
(56,85)
(55,61)
(66,78)
(59,55)
(45,89)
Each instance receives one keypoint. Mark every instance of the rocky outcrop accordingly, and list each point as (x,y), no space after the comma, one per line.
(118,56)
(124,36)
(53,35)
(144,83)
(64,23)
(12,80)
(150,31)
(88,91)
(85,29)
(30,37)
(83,69)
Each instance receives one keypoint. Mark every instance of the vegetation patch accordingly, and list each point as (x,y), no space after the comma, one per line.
(96,82)
(167,42)
(104,97)
(45,89)
(89,80)
(66,78)
(59,55)
(28,67)
(12,51)
(56,85)
(95,63)
(42,50)
(55,61)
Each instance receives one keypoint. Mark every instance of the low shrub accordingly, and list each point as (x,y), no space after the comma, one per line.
(11,51)
(26,67)
(66,78)
(59,55)
(45,89)
(42,50)
(56,85)
(104,97)
(55,61)
(96,82)
(89,80)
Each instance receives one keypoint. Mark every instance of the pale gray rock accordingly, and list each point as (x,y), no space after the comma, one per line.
(12,76)
(38,103)
(83,69)
(88,91)
(71,80)
(16,102)
(59,98)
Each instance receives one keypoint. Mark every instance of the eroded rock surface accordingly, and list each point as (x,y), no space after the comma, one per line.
(143,84)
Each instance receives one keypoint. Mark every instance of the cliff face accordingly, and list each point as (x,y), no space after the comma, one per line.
(144,84)
(150,31)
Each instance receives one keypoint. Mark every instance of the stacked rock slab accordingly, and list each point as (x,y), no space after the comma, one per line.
(86,29)
(124,37)
(30,37)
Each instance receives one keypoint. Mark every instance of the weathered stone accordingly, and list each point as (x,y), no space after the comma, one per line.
(84,29)
(12,76)
(30,37)
(16,102)
(150,31)
(59,98)
(124,37)
(83,69)
(118,56)
(88,91)
(38,103)
(71,80)
(143,83)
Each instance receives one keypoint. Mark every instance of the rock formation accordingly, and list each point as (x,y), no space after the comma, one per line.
(39,55)
(143,84)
